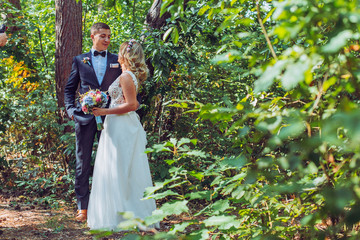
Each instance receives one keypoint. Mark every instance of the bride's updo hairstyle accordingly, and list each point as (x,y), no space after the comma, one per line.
(132,56)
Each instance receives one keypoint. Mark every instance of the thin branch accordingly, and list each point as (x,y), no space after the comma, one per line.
(326,174)
(86,10)
(133,20)
(320,92)
(43,54)
(264,31)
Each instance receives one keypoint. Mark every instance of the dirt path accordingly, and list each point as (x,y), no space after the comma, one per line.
(25,221)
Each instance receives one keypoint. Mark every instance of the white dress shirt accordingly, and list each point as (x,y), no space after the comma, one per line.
(99,65)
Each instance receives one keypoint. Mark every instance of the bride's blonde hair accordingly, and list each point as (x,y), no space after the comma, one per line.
(131,54)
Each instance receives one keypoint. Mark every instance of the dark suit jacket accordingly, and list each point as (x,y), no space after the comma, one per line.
(83,78)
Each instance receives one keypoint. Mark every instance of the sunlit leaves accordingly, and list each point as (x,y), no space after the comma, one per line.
(294,67)
(254,146)
(338,42)
(167,33)
(203,10)
(222,222)
(294,74)
(166,210)
(271,73)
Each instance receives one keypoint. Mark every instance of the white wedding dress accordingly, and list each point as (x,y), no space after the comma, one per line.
(121,171)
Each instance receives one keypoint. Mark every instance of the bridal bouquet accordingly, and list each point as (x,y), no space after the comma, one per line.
(91,99)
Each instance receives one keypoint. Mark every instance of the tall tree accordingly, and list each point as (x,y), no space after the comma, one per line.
(11,18)
(153,18)
(68,23)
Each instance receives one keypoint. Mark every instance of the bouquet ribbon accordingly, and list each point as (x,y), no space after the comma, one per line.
(99,123)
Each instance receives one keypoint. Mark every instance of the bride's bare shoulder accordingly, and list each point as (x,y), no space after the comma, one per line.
(126,79)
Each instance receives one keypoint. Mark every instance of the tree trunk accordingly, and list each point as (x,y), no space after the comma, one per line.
(12,18)
(16,3)
(68,20)
(153,18)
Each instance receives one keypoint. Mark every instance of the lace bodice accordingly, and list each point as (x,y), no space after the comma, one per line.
(116,92)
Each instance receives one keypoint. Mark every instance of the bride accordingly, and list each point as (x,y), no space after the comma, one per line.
(121,171)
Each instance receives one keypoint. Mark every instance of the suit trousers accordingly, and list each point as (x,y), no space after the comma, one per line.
(85,135)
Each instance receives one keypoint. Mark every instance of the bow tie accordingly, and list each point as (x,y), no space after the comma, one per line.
(103,53)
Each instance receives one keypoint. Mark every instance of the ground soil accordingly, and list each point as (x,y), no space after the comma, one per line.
(23,220)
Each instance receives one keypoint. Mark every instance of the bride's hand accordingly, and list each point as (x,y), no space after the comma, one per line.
(99,111)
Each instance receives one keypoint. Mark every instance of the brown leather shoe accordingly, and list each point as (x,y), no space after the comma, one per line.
(81,215)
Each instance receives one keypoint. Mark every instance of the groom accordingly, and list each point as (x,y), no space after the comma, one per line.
(96,69)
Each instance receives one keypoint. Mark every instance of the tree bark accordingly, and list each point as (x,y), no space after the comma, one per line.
(16,3)
(68,44)
(153,18)
(11,18)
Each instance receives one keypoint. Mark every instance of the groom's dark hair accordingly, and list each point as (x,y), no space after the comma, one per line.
(97,26)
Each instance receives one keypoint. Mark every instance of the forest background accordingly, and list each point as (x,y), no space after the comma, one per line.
(251,111)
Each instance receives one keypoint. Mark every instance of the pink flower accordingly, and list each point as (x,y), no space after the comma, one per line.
(86,60)
(98,99)
(84,109)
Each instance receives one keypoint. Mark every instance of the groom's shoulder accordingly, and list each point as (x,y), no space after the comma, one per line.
(113,55)
(82,55)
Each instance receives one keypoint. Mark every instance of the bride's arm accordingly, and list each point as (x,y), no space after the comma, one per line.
(129,91)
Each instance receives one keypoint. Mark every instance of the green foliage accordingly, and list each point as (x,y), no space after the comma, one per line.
(289,168)
(244,143)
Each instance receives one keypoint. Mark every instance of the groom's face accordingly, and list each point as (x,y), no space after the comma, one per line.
(101,39)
